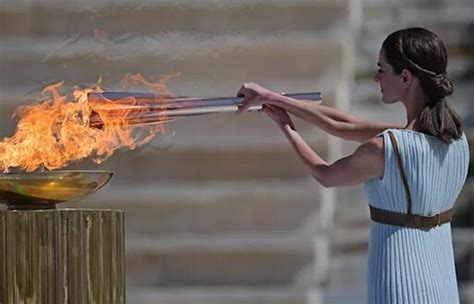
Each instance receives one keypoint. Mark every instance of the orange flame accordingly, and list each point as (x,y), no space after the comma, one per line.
(56,131)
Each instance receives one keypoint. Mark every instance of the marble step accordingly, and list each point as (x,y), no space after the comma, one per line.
(276,259)
(123,18)
(205,164)
(452,13)
(351,205)
(219,295)
(347,279)
(202,164)
(218,60)
(421,13)
(213,207)
(450,20)
(350,241)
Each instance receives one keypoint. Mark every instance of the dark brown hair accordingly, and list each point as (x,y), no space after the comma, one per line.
(423,53)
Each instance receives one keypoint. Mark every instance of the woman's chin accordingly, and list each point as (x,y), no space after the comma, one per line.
(386,100)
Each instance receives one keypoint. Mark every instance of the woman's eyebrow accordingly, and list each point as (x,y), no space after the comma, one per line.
(380,64)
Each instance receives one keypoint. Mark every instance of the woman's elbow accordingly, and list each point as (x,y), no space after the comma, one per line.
(344,130)
(324,181)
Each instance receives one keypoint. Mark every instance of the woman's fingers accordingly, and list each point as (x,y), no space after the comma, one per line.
(242,91)
(246,104)
(242,108)
(248,94)
(270,111)
(254,95)
(279,115)
(279,111)
(247,89)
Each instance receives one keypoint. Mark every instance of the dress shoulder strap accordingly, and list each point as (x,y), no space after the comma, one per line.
(402,172)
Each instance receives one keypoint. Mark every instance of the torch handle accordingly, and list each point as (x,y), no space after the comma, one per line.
(150,99)
(145,108)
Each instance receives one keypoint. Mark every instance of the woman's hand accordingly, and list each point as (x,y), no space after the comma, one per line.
(279,116)
(254,95)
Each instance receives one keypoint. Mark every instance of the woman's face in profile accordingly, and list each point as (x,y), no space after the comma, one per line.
(390,83)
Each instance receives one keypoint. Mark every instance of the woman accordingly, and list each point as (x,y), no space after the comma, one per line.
(412,174)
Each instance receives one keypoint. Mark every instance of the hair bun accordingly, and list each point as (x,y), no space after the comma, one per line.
(441,87)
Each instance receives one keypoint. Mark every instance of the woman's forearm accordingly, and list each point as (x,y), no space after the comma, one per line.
(314,162)
(331,120)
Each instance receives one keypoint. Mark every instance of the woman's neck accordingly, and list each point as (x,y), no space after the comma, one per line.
(414,103)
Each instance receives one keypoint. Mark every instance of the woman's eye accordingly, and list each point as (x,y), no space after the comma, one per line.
(380,71)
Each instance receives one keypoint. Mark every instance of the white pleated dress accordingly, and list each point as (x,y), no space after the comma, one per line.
(407,265)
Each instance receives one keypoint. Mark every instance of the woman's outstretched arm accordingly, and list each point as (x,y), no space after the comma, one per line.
(331,120)
(365,163)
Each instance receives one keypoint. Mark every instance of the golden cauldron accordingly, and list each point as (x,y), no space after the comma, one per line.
(43,190)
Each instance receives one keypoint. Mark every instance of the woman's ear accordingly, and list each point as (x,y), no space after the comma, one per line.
(407,77)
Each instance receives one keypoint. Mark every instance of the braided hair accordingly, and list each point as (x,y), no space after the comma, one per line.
(424,54)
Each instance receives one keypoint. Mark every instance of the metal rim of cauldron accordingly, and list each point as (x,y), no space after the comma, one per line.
(23,201)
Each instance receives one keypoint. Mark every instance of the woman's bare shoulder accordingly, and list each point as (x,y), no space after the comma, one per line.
(374,144)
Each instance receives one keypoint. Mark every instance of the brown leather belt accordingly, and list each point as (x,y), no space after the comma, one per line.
(410,220)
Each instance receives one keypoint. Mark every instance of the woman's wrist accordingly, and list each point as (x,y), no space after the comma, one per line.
(276,99)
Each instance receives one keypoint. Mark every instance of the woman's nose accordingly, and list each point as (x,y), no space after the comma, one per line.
(376,77)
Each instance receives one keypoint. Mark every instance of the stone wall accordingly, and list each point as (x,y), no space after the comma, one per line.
(219,209)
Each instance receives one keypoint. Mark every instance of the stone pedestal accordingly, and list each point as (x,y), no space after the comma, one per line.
(62,256)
